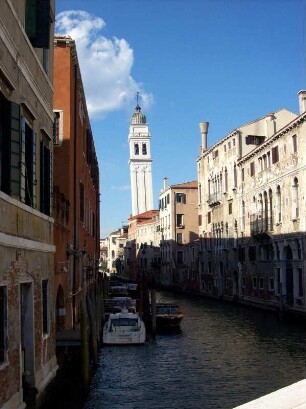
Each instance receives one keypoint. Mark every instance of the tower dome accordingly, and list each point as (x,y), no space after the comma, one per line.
(138,117)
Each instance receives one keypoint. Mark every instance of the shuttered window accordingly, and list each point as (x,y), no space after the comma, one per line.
(45,179)
(275,157)
(37,22)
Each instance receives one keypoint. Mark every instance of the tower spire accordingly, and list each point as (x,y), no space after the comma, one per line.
(137,101)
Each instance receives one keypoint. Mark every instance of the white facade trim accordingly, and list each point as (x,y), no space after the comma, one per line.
(18,242)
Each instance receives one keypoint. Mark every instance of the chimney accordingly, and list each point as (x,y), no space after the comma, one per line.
(302,101)
(204,131)
(165,183)
(270,125)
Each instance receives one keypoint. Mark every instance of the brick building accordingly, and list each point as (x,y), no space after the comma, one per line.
(76,188)
(27,322)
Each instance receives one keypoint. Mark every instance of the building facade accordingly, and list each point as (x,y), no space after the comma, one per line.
(76,189)
(140,163)
(27,320)
(252,232)
(116,243)
(142,251)
(178,206)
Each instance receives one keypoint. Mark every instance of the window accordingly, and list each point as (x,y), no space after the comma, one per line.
(28,164)
(255,282)
(295,199)
(180,257)
(275,157)
(45,178)
(241,254)
(37,22)
(200,220)
(179,238)
(81,202)
(58,127)
(243,281)
(271,284)
(278,205)
(294,144)
(179,220)
(209,217)
(136,149)
(252,168)
(180,198)
(10,148)
(261,283)
(242,174)
(252,253)
(3,324)
(45,306)
(230,208)
(235,175)
(226,180)
(254,139)
(144,149)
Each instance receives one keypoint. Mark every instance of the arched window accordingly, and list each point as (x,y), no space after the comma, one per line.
(278,205)
(270,210)
(243,216)
(295,199)
(235,175)
(144,149)
(225,180)
(136,149)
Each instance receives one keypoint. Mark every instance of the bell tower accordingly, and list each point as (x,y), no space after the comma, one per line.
(140,163)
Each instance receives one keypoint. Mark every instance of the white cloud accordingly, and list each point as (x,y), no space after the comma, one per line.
(106,64)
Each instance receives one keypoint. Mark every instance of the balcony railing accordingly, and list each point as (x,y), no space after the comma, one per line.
(214,199)
(260,224)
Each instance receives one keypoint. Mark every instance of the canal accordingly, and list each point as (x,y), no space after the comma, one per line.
(222,357)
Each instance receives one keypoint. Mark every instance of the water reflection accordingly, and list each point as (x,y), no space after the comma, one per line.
(223,356)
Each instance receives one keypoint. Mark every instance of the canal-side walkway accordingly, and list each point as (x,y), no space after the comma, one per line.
(290,397)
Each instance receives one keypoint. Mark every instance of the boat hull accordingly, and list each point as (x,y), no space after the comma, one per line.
(124,328)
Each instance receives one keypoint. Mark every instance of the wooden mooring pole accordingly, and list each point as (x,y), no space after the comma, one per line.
(153,311)
(85,346)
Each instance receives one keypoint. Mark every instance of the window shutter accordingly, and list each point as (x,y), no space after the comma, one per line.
(43,24)
(23,161)
(15,152)
(37,22)
(34,168)
(30,19)
(45,179)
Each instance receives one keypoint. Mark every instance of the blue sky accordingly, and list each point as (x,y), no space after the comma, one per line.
(222,61)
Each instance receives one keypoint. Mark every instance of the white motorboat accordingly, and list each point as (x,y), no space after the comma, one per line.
(124,328)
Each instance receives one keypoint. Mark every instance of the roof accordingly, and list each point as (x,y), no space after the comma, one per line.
(186,185)
(146,215)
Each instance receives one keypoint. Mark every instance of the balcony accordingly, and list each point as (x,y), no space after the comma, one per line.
(260,226)
(214,199)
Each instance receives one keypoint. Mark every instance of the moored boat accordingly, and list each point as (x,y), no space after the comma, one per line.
(124,328)
(168,315)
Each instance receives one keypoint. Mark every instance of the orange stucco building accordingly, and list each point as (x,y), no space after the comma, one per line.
(76,188)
